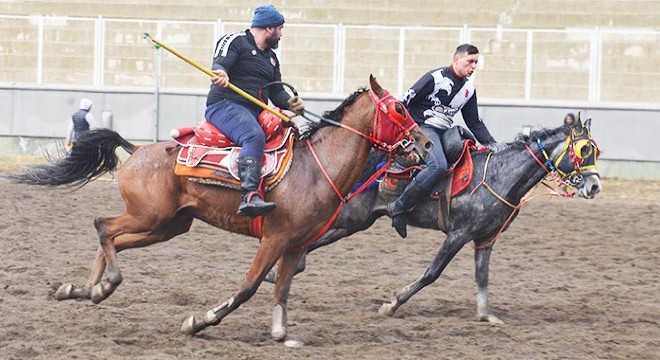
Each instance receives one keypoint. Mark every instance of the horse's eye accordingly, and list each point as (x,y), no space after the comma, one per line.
(584,151)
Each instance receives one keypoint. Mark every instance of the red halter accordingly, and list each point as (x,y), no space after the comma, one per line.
(391,130)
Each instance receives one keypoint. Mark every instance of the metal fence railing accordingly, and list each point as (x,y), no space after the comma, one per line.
(595,65)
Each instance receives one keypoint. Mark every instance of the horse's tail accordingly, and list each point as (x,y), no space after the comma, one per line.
(92,155)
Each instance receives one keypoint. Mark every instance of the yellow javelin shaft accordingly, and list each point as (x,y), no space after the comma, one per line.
(211,74)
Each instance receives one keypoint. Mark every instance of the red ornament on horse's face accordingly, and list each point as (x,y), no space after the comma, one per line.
(397,111)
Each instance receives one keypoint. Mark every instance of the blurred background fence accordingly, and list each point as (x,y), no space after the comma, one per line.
(595,65)
(528,75)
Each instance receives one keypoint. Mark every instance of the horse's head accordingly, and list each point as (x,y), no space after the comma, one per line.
(394,130)
(576,162)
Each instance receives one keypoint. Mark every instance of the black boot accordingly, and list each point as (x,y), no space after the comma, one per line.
(252,205)
(398,208)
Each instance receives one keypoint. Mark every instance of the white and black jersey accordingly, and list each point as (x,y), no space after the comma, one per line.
(438,95)
(249,69)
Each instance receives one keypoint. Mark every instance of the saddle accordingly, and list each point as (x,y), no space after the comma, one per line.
(206,155)
(458,144)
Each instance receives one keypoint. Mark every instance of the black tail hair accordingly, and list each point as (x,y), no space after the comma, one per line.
(91,156)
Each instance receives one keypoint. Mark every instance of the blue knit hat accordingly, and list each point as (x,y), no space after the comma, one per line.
(267,16)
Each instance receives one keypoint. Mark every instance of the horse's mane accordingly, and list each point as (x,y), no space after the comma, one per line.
(338,112)
(521,140)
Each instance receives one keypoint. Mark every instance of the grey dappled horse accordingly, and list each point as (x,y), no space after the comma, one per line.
(477,214)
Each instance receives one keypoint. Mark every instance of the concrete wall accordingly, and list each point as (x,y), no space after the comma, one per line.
(593,55)
(627,136)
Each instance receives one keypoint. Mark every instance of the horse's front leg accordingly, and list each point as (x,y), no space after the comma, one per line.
(450,247)
(481,267)
(328,238)
(71,291)
(267,254)
(287,269)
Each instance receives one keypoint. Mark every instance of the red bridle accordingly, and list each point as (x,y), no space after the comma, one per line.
(389,132)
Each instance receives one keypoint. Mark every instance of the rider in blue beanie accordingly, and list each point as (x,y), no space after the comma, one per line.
(248,58)
(267,16)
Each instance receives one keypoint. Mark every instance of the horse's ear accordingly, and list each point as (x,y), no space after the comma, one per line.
(587,124)
(578,121)
(375,86)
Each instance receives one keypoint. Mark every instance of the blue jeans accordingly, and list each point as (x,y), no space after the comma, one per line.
(436,164)
(241,126)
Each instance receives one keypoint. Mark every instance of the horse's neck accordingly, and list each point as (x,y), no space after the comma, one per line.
(342,152)
(518,172)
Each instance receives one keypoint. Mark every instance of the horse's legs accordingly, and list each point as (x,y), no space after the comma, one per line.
(449,249)
(481,264)
(328,238)
(70,291)
(125,232)
(286,271)
(267,254)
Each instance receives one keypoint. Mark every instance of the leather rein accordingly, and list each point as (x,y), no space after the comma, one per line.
(571,179)
(403,140)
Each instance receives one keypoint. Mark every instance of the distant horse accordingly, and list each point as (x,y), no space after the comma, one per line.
(485,208)
(161,205)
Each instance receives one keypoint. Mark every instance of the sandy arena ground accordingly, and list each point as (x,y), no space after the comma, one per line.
(572,279)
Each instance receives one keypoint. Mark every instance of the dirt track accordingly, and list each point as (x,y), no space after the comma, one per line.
(572,279)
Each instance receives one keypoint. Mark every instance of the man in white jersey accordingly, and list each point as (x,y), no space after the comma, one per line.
(433,101)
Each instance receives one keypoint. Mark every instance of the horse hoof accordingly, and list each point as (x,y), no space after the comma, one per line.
(491,319)
(278,334)
(191,325)
(386,309)
(97,294)
(64,292)
(293,343)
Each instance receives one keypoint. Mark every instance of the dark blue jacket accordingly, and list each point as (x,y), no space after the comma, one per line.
(80,124)
(249,69)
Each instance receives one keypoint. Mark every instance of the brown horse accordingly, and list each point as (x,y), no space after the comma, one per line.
(161,205)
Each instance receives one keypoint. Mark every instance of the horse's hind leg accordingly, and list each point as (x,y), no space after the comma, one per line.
(449,249)
(287,269)
(481,265)
(70,291)
(267,255)
(125,232)
(273,273)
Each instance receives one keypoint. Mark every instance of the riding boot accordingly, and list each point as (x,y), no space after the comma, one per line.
(252,204)
(398,208)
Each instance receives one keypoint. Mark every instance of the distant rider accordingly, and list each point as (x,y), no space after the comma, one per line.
(80,122)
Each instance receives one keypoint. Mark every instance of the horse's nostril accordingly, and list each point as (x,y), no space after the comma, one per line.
(595,189)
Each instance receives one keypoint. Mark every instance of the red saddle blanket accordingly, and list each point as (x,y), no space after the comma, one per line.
(206,153)
(461,173)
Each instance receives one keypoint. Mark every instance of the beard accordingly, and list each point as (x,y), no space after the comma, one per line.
(273,41)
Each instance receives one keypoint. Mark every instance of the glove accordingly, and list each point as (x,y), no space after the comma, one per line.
(305,126)
(296,105)
(496,147)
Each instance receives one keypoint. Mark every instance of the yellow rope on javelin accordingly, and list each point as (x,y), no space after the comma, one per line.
(211,74)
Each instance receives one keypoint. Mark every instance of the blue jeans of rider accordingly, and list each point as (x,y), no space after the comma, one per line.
(240,124)
(436,164)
